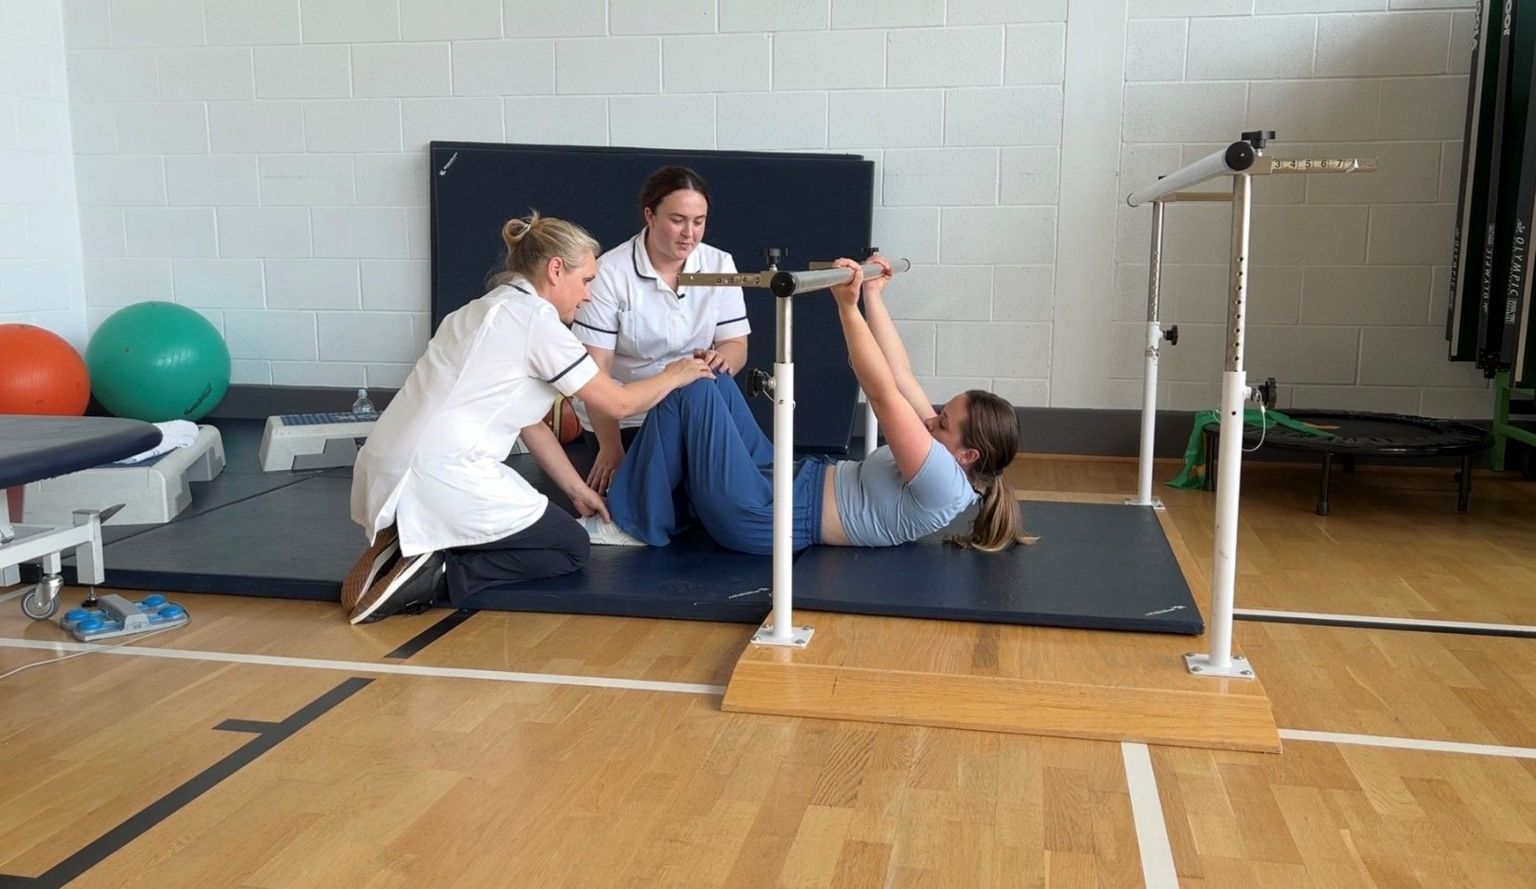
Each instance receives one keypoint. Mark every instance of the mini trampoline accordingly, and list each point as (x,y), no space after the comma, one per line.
(1363,434)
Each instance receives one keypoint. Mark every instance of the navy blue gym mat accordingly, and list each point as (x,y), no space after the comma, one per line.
(1097,566)
(290,542)
(288,535)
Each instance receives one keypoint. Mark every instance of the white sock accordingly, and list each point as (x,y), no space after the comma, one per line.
(607,533)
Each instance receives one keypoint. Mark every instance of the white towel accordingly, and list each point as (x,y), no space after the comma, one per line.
(173,434)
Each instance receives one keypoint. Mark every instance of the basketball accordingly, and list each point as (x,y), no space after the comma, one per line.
(562,420)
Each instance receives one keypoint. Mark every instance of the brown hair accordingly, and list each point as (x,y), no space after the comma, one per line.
(667,180)
(533,240)
(992,429)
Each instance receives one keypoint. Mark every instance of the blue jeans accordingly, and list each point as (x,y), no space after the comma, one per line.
(703,442)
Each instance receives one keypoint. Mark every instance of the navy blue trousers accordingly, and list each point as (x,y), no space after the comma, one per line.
(703,441)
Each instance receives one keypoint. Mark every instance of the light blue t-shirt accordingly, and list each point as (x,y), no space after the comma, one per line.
(878,508)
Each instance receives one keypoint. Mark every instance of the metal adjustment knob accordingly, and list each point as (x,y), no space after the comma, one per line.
(759,382)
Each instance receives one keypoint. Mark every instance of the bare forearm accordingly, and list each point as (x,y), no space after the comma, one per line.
(546,449)
(605,426)
(894,350)
(870,365)
(884,330)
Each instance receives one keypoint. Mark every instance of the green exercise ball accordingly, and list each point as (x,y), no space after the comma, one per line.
(158,361)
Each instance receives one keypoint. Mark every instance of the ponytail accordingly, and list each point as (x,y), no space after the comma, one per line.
(997,524)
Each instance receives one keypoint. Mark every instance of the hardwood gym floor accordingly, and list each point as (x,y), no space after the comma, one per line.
(269,744)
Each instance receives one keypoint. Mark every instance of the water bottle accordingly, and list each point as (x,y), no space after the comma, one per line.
(362,408)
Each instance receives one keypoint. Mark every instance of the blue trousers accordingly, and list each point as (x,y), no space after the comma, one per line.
(702,441)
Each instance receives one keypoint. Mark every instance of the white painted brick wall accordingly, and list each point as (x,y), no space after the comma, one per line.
(450,19)
(237,127)
(263,161)
(211,180)
(662,121)
(350,21)
(829,60)
(41,273)
(716,63)
(1382,45)
(464,120)
(863,118)
(940,177)
(608,65)
(303,180)
(504,68)
(352,125)
(886,13)
(661,16)
(1024,115)
(944,57)
(539,18)
(248,22)
(400,69)
(1155,49)
(329,284)
(206,73)
(218,283)
(162,128)
(774,15)
(1251,48)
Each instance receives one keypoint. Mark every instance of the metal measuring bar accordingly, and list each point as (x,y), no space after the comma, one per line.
(782,283)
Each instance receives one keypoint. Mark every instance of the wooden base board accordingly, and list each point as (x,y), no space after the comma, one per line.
(1004,678)
(1021,680)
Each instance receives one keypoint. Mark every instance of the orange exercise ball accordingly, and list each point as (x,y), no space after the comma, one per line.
(41,373)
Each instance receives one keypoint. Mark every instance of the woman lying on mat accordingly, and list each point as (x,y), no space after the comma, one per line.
(703,439)
(430,488)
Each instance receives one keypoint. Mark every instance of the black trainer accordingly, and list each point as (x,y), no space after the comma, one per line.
(413,586)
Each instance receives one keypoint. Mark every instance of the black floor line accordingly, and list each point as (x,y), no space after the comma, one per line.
(416,643)
(268,735)
(1512,632)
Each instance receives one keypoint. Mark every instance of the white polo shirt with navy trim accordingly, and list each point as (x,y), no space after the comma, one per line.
(647,324)
(433,464)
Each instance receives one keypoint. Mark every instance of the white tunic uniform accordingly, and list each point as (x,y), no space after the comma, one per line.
(433,464)
(645,323)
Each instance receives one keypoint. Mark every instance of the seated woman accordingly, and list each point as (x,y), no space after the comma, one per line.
(430,488)
(639,318)
(703,439)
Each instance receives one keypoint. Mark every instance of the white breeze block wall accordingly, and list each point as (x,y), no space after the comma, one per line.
(40,277)
(264,162)
(1349,274)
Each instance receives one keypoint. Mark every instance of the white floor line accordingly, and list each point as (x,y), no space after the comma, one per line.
(1137,761)
(1292,734)
(16,594)
(1370,619)
(1157,870)
(367,667)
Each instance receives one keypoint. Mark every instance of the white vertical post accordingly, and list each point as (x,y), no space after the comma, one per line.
(1234,394)
(780,629)
(1149,377)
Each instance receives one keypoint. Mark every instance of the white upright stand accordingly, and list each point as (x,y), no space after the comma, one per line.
(1149,377)
(780,628)
(1242,160)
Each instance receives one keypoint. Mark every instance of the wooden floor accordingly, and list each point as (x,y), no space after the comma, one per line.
(269,744)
